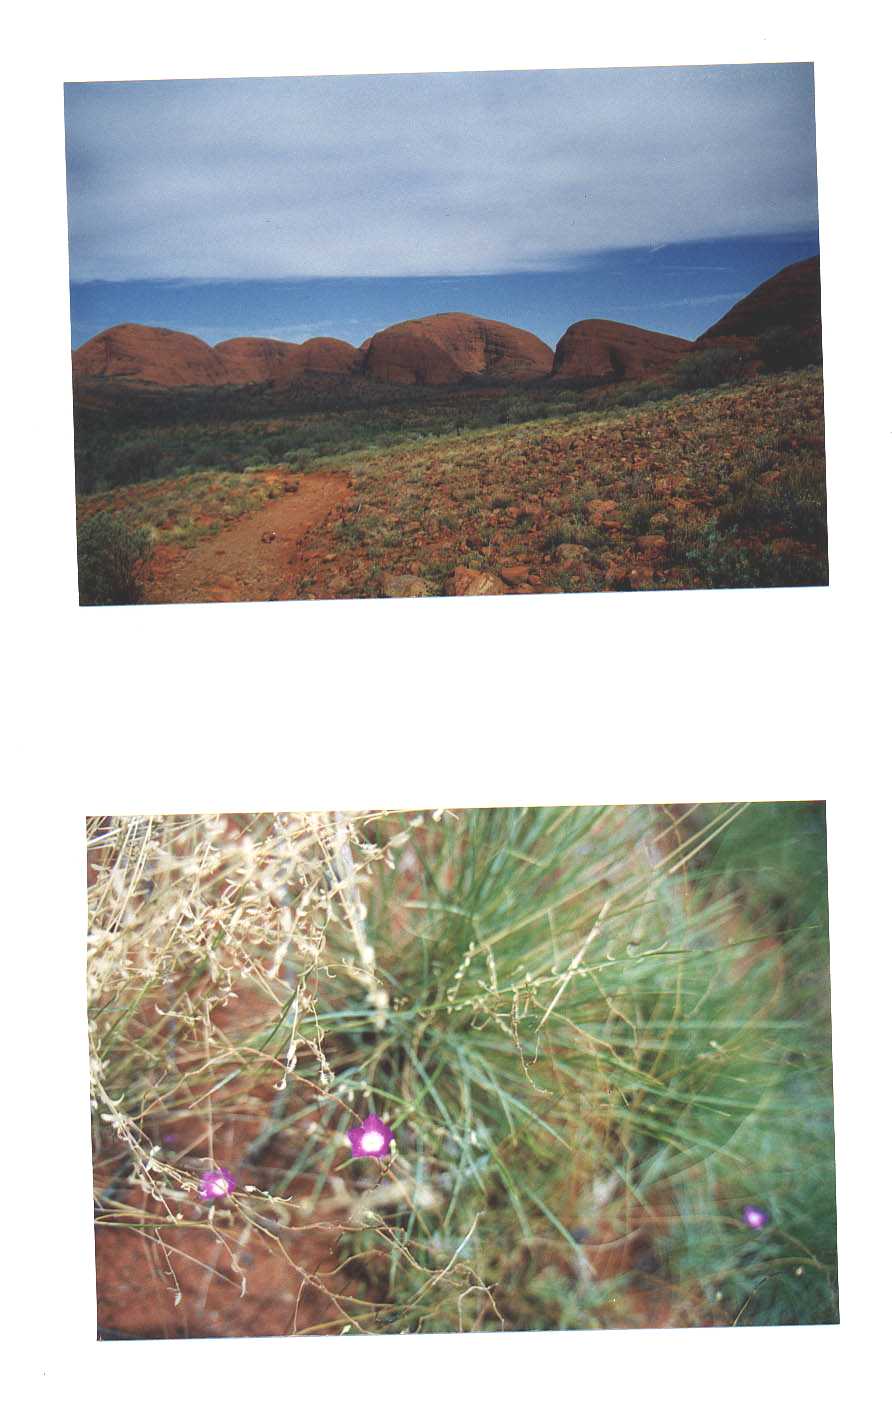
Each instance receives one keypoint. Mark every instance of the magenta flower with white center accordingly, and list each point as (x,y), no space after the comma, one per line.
(754,1217)
(215,1184)
(371,1138)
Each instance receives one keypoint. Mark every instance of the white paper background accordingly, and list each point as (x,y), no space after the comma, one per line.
(721,696)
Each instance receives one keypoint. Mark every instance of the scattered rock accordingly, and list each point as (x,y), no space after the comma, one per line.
(466,582)
(268,537)
(599,508)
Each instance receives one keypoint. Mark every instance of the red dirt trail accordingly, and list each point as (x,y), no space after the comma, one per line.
(237,563)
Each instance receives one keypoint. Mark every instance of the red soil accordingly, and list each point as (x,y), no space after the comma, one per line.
(255,558)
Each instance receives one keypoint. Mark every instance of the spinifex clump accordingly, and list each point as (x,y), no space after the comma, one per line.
(586,1045)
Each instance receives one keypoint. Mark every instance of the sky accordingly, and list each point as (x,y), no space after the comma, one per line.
(336,206)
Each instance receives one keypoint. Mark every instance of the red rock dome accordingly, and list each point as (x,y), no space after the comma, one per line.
(599,350)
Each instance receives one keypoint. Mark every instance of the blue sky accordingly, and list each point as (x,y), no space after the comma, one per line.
(335,206)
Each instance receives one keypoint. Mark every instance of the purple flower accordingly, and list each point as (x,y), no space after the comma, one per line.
(371,1138)
(754,1217)
(215,1184)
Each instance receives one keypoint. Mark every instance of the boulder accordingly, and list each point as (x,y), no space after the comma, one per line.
(468,582)
(403,587)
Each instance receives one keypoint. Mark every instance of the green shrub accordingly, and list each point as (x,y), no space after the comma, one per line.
(109,554)
(786,349)
(640,513)
(207,456)
(134,462)
(719,562)
(586,1030)
(704,369)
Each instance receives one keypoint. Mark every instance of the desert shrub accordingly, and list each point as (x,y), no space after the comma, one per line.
(786,349)
(109,554)
(87,470)
(206,456)
(572,531)
(717,560)
(546,1009)
(704,369)
(640,512)
(794,504)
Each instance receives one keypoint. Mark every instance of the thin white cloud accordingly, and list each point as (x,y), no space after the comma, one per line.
(431,175)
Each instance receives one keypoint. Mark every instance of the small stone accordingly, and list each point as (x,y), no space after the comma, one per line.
(651,543)
(403,587)
(268,537)
(466,582)
(569,552)
(599,508)
(514,575)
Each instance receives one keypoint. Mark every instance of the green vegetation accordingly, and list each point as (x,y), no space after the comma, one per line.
(704,369)
(785,349)
(138,436)
(181,511)
(109,555)
(596,1035)
(718,486)
(721,487)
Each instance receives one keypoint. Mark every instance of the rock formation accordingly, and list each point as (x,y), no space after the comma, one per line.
(449,346)
(792,298)
(149,356)
(251,360)
(597,350)
(445,349)
(156,356)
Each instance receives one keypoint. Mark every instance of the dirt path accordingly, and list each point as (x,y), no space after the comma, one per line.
(254,559)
